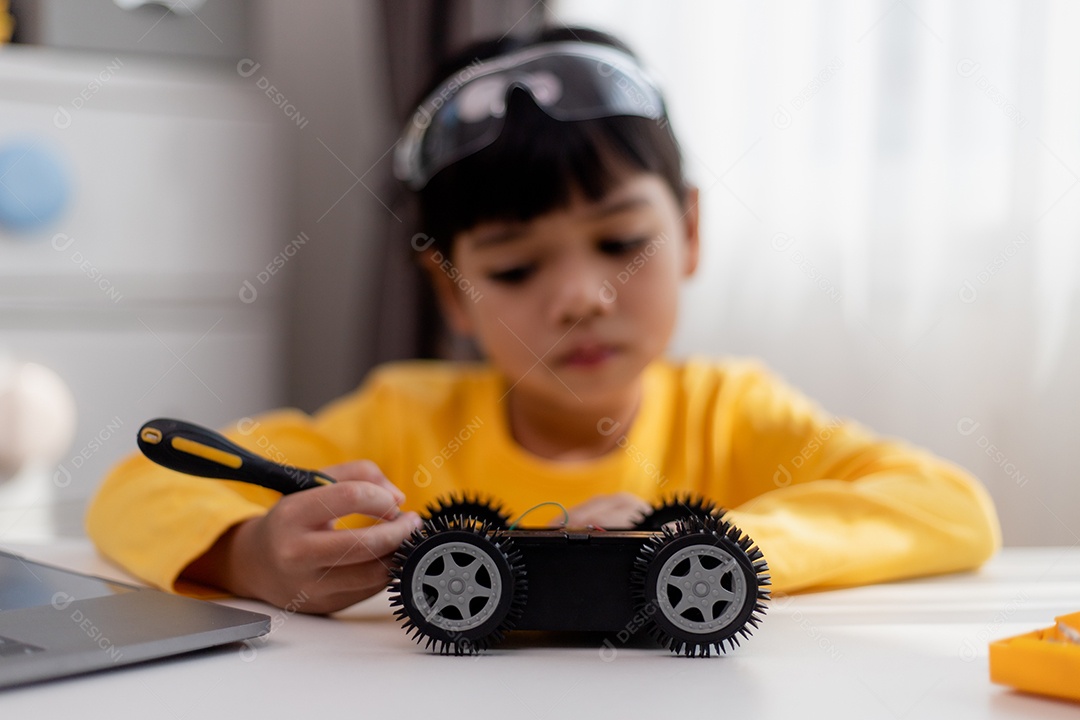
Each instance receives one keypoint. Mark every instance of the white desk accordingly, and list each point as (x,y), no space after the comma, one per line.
(907,650)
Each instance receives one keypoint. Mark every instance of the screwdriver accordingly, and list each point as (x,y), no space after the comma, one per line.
(195,450)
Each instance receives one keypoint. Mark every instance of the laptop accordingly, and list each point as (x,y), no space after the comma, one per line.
(55,623)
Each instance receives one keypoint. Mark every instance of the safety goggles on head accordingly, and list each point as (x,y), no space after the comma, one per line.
(567,80)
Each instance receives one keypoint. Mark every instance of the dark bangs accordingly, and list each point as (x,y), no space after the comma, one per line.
(536,165)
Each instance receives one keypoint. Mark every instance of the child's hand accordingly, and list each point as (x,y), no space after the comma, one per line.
(293,556)
(621,510)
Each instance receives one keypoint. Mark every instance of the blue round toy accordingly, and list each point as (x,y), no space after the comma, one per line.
(34,186)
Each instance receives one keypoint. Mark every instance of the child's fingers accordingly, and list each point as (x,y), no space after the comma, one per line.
(364,471)
(364,579)
(360,545)
(349,565)
(344,585)
(615,510)
(322,505)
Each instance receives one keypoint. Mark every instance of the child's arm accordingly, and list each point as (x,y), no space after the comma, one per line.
(832,505)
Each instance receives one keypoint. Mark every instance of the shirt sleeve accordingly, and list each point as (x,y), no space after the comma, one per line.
(831,505)
(154,522)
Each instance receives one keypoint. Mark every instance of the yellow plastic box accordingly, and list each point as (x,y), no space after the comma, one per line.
(1046,661)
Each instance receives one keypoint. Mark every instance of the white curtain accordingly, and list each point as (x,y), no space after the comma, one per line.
(891,217)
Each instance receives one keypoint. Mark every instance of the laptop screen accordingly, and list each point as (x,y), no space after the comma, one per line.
(25,584)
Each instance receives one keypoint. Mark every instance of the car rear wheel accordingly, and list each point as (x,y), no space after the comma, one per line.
(702,585)
(678,507)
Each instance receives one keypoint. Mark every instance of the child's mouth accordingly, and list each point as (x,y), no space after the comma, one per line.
(589,356)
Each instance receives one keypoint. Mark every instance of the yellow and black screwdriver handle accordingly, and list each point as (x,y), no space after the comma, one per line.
(194,450)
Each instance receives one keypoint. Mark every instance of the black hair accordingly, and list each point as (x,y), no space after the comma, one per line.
(537,162)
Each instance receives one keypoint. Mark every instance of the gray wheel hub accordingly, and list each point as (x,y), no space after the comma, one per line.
(456,585)
(710,585)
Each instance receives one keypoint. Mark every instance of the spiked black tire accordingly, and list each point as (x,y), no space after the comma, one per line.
(431,556)
(469,504)
(678,507)
(665,568)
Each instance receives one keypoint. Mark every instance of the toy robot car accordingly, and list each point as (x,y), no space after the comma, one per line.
(690,578)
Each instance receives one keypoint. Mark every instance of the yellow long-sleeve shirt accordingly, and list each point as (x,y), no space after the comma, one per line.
(827,502)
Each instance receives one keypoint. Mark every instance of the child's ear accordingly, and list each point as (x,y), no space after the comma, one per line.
(691,220)
(452,299)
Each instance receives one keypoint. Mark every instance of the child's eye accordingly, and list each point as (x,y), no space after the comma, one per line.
(514,275)
(620,247)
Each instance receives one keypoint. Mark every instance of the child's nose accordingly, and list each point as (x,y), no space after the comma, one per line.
(581,293)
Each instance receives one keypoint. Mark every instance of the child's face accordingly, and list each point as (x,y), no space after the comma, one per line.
(572,305)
